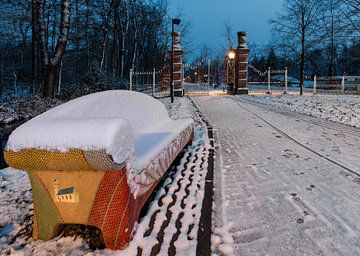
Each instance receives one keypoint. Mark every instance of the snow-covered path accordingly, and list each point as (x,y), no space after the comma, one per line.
(285,184)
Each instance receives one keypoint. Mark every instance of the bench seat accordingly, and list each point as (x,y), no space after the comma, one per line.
(96,160)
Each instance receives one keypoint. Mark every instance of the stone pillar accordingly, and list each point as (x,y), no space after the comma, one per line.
(178,66)
(241,65)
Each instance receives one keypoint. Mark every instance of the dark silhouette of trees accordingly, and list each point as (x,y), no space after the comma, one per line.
(46,39)
(297,29)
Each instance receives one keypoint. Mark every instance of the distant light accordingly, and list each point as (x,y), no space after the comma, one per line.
(231,54)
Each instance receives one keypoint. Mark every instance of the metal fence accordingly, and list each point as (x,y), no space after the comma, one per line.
(148,82)
(269,81)
(336,85)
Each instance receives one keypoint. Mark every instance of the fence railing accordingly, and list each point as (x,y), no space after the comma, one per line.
(269,78)
(148,82)
(336,85)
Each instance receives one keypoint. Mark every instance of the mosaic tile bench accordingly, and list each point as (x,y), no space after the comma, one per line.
(95,161)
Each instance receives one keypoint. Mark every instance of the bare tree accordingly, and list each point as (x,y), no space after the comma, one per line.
(296,28)
(105,27)
(107,33)
(41,33)
(352,13)
(229,34)
(52,72)
(334,31)
(124,27)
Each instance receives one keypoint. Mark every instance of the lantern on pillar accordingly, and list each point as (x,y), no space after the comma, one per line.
(230,70)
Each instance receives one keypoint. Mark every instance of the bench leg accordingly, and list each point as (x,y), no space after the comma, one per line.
(47,220)
(112,210)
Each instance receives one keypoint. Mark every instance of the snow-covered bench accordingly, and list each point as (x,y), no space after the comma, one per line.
(95,160)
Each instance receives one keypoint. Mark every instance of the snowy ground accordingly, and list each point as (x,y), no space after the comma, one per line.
(183,188)
(14,110)
(342,109)
(285,183)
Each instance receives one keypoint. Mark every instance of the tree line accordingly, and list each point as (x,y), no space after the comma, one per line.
(48,45)
(314,37)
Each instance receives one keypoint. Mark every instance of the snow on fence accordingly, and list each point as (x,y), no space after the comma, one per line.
(147,82)
(336,85)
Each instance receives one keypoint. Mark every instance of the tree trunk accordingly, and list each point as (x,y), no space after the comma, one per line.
(133,62)
(105,34)
(302,65)
(34,47)
(87,33)
(40,4)
(302,56)
(53,33)
(1,74)
(15,80)
(115,43)
(52,74)
(77,41)
(124,31)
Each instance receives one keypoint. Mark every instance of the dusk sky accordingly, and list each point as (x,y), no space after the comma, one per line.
(207,18)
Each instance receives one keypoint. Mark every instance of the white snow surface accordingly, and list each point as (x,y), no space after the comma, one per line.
(338,108)
(284,183)
(113,134)
(116,121)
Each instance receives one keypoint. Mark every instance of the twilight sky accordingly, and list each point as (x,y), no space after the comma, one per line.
(207,18)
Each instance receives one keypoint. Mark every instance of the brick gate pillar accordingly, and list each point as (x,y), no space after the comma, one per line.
(178,66)
(241,66)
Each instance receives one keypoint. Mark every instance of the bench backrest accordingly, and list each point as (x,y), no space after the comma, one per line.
(139,109)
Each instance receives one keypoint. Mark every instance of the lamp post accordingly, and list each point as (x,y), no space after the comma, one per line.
(173,23)
(230,70)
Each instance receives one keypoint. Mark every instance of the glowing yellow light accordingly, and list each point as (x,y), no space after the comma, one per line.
(231,55)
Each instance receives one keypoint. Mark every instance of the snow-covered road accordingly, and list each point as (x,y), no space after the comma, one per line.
(285,184)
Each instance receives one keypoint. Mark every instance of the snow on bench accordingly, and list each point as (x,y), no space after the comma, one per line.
(95,161)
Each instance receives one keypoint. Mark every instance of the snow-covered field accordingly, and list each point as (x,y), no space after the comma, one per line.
(337,108)
(185,182)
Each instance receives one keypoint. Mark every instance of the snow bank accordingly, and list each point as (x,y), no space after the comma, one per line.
(337,108)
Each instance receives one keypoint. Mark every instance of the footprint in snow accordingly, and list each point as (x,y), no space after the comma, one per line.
(299,221)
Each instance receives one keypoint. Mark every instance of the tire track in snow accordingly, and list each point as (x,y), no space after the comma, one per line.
(295,140)
(353,131)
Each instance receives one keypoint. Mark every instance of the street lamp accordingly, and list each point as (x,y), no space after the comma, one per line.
(231,55)
(173,23)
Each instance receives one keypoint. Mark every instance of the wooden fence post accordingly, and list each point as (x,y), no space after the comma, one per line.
(286,80)
(269,80)
(153,82)
(130,79)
